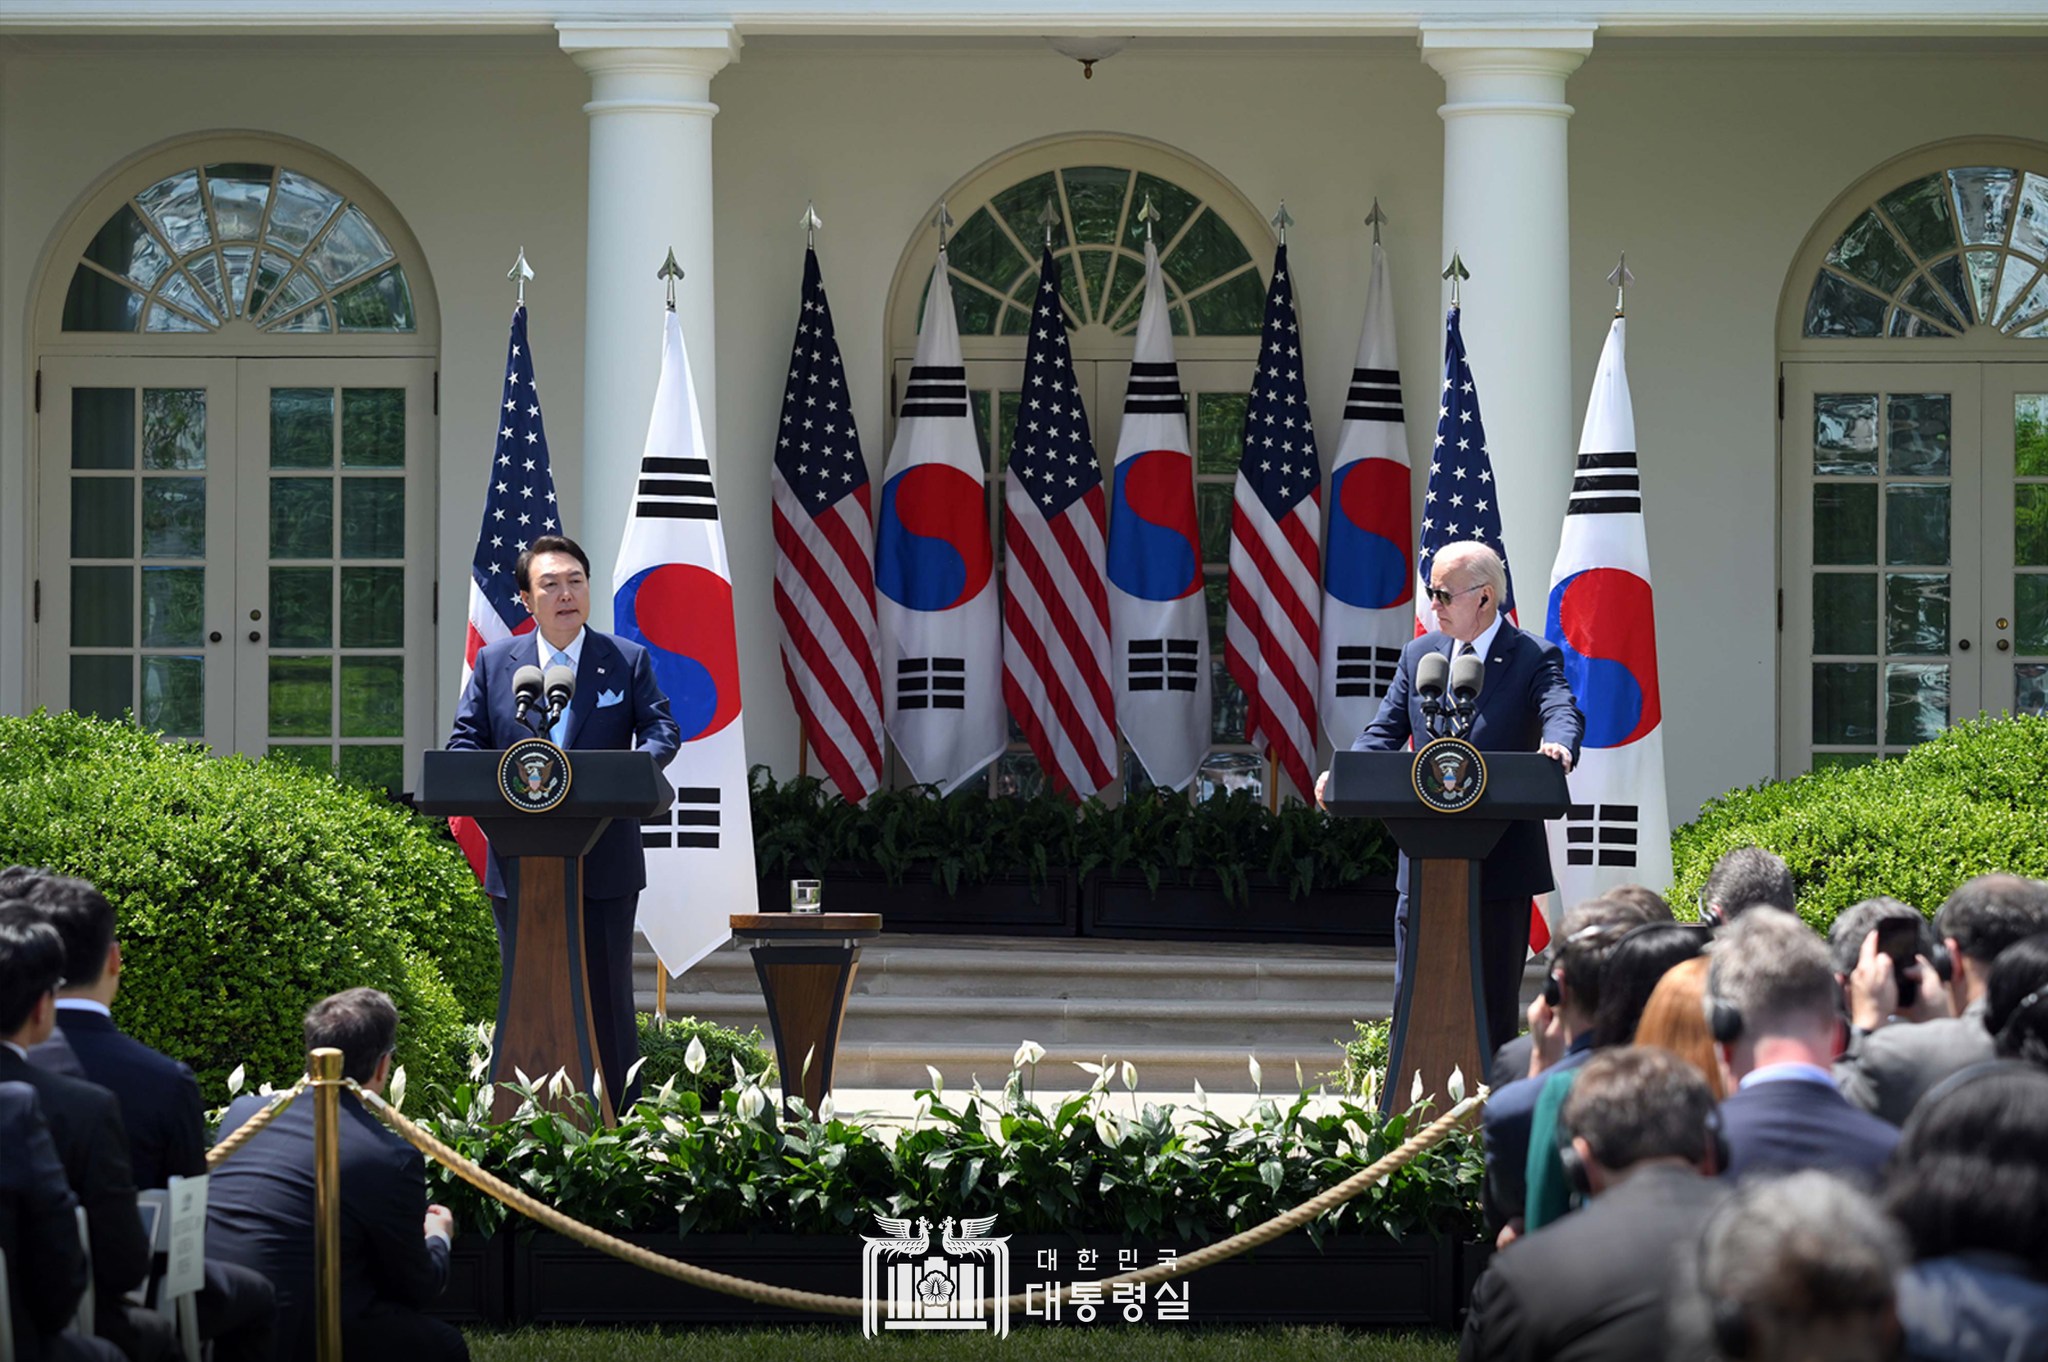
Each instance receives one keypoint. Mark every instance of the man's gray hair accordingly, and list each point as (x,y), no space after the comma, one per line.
(1746,877)
(1480,565)
(1791,1260)
(1775,971)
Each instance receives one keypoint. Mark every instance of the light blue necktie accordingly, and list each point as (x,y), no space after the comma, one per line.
(561,725)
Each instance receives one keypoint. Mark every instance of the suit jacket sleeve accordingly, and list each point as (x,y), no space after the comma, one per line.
(185,1130)
(1389,728)
(53,1277)
(408,1267)
(120,1248)
(472,731)
(654,728)
(1497,1327)
(1563,724)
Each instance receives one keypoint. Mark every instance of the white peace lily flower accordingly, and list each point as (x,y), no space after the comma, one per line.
(1457,1084)
(1030,1052)
(1415,1090)
(1201,1098)
(753,1102)
(938,1079)
(558,1084)
(634,1072)
(1299,1081)
(1106,1126)
(739,1075)
(1095,1069)
(922,1110)
(825,1108)
(1258,1078)
(235,1079)
(1130,1076)
(694,1056)
(805,1071)
(398,1088)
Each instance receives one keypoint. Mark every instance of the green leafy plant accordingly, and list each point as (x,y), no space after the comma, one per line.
(802,827)
(1972,801)
(1365,1056)
(666,1056)
(246,890)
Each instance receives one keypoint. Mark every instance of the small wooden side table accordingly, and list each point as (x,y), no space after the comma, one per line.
(806,963)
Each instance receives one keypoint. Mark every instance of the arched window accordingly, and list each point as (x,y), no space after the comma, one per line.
(213,243)
(1935,255)
(1214,249)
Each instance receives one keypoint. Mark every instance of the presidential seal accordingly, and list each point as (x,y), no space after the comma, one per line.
(533,775)
(1450,775)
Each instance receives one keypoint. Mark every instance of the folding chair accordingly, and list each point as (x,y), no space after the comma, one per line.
(176,1219)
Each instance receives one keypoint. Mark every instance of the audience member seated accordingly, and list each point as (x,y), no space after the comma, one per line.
(1512,1060)
(1887,1071)
(2016,1002)
(46,1268)
(394,1246)
(1792,1269)
(159,1097)
(1742,879)
(85,1127)
(1970,1188)
(1642,1131)
(1638,961)
(1562,1022)
(1675,1019)
(1771,1004)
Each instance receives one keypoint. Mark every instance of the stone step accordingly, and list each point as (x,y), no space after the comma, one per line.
(1162,1070)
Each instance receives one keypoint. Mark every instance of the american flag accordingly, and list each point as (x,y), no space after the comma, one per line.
(1461,503)
(1056,657)
(825,556)
(519,507)
(1270,630)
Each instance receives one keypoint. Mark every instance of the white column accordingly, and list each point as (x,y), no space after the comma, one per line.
(650,189)
(1507,214)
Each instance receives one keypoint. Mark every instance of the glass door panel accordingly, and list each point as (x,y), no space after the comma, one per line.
(139,510)
(2016,538)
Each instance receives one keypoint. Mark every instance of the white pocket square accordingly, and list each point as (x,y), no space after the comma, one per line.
(607,698)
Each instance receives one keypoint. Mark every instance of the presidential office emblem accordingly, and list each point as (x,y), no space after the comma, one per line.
(533,775)
(1450,775)
(962,1283)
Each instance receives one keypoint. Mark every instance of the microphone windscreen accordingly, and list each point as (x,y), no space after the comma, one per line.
(1468,674)
(1430,672)
(561,683)
(527,683)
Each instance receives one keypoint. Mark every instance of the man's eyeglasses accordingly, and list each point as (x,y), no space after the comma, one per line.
(1443,597)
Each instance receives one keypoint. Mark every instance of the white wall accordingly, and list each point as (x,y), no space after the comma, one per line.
(1708,164)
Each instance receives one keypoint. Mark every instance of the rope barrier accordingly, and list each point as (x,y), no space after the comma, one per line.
(1383,1168)
(245,1131)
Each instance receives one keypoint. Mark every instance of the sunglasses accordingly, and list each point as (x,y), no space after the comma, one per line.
(1443,597)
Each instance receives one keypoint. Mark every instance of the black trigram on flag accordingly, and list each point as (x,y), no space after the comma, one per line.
(1366,671)
(1375,395)
(1163,663)
(675,489)
(1600,834)
(1606,484)
(1155,386)
(692,821)
(931,683)
(936,390)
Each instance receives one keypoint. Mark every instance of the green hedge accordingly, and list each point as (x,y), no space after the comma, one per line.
(246,890)
(1972,801)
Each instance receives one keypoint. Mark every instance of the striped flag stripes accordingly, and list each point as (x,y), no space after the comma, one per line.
(1271,625)
(1056,657)
(825,556)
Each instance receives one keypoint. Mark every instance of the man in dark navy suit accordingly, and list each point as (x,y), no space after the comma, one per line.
(1525,705)
(1772,1001)
(159,1097)
(618,704)
(394,1245)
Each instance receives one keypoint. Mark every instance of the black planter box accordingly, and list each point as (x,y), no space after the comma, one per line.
(1119,905)
(1419,1282)
(1007,905)
(479,1278)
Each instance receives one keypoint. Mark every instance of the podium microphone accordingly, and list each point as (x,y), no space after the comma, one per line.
(526,690)
(1468,674)
(1431,670)
(561,685)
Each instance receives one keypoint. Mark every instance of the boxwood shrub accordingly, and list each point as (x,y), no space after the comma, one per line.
(1972,801)
(246,890)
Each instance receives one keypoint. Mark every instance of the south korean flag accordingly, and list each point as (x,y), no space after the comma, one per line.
(1601,613)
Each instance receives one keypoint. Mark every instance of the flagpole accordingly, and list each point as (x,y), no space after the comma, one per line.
(1272,779)
(519,274)
(803,748)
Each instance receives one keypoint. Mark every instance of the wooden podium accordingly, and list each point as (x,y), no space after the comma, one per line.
(544,1020)
(806,963)
(1440,1020)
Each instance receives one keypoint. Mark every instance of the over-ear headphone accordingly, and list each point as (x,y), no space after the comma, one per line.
(1581,1180)
(1553,991)
(1724,1018)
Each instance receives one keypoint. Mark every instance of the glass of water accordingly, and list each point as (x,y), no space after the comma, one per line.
(806,896)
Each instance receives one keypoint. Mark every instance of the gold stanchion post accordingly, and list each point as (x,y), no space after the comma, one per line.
(325,1071)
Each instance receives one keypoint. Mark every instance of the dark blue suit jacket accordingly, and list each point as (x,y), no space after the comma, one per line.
(259,1214)
(46,1270)
(159,1097)
(1506,1123)
(1789,1125)
(1525,702)
(638,718)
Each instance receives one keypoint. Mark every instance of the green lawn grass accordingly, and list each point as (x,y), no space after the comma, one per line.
(1163,1343)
